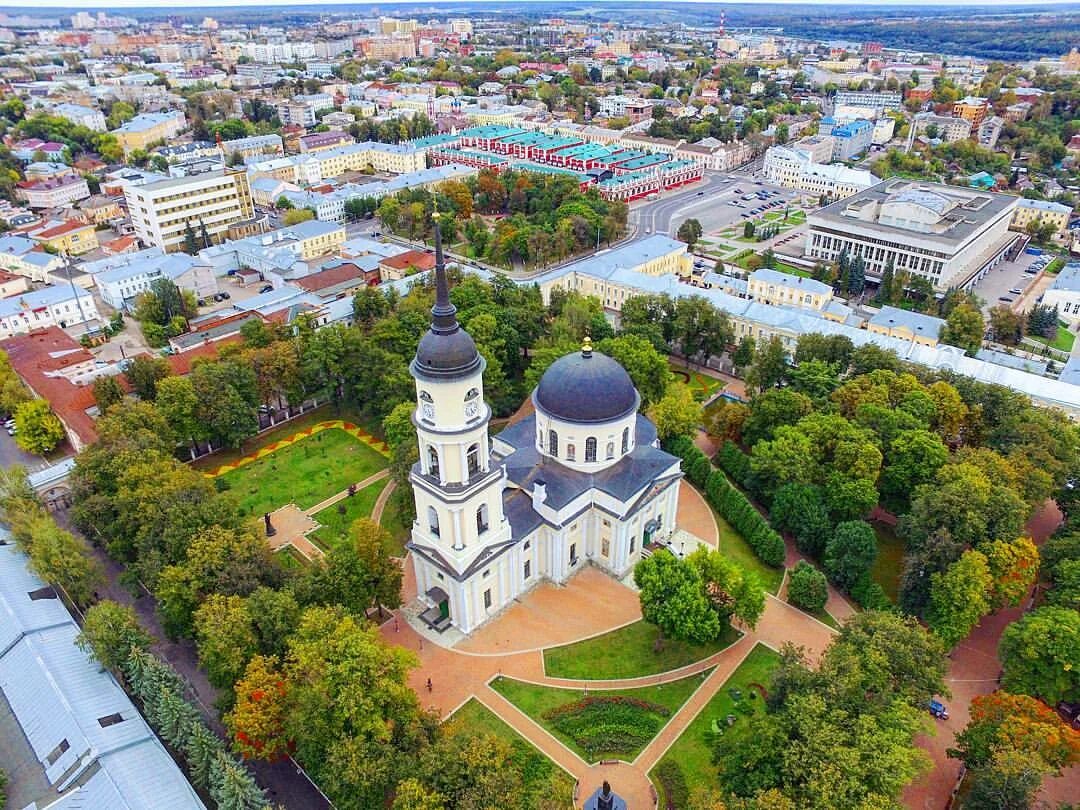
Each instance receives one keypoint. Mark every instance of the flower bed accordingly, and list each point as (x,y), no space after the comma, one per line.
(608,724)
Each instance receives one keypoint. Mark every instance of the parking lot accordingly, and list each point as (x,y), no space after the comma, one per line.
(1009,282)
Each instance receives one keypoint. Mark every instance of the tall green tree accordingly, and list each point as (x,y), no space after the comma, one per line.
(1040,654)
(39,431)
(672,595)
(959,598)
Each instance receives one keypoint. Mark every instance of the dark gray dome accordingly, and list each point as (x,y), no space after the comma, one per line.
(446,354)
(586,386)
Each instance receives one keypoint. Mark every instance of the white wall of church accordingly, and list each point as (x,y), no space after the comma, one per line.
(572,450)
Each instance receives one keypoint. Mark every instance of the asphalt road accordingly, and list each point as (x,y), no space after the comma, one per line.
(666,213)
(10,454)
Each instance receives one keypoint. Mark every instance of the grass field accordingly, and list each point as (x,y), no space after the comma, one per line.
(1063,341)
(690,753)
(290,558)
(303,473)
(540,774)
(395,520)
(334,526)
(284,431)
(628,652)
(535,700)
(890,560)
(733,546)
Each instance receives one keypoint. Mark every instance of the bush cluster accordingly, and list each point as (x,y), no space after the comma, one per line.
(673,781)
(608,724)
(733,506)
(807,587)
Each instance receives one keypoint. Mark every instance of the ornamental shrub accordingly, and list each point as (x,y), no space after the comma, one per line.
(807,587)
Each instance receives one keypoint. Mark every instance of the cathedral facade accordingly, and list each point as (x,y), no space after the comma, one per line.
(581,481)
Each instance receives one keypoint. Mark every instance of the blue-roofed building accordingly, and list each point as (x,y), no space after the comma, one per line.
(849,139)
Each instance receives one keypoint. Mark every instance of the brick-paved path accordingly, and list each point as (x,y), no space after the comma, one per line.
(695,516)
(371,479)
(973,671)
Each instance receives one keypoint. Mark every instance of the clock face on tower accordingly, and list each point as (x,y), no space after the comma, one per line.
(472,409)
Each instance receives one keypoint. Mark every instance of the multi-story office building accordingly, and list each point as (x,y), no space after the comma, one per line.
(82,116)
(301,109)
(162,211)
(53,192)
(793,168)
(949,235)
(143,130)
(947,128)
(254,145)
(1042,211)
(879,100)
(849,139)
(971,108)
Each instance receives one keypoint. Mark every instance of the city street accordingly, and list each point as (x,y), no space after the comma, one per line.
(706,201)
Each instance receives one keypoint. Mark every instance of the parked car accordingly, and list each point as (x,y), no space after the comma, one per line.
(1016,291)
(938,710)
(1005,299)
(265,288)
(11,431)
(224,295)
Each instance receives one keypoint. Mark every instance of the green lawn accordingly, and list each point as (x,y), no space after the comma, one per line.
(303,473)
(691,754)
(323,413)
(733,546)
(1063,341)
(536,700)
(290,558)
(628,652)
(396,518)
(334,526)
(540,775)
(890,560)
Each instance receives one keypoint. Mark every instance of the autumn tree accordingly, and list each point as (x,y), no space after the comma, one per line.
(1002,720)
(256,723)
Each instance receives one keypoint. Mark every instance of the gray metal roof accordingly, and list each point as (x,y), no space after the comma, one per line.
(59,697)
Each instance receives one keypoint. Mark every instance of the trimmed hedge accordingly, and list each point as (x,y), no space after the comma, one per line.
(734,462)
(733,506)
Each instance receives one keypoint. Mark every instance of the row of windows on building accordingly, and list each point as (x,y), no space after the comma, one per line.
(590,446)
(830,248)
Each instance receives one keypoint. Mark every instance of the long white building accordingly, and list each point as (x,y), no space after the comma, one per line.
(794,168)
(949,235)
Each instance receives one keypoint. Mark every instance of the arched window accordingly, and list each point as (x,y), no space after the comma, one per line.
(482,519)
(472,458)
(433,520)
(625,440)
(472,394)
(553,443)
(570,452)
(590,449)
(433,461)
(425,397)
(610,450)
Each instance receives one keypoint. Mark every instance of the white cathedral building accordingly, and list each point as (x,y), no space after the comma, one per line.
(582,481)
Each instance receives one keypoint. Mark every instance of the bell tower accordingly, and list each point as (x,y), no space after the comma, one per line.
(458,491)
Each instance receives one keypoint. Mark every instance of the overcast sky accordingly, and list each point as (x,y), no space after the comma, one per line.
(89,4)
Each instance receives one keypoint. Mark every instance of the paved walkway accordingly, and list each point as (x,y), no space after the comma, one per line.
(371,479)
(381,501)
(695,516)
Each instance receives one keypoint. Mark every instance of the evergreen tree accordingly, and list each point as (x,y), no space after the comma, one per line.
(202,233)
(202,749)
(233,788)
(857,276)
(885,291)
(190,246)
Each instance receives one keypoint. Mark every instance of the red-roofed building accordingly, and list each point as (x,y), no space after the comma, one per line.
(335,282)
(57,369)
(405,264)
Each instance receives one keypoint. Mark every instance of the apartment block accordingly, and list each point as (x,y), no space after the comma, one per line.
(1042,211)
(143,130)
(971,108)
(161,211)
(53,192)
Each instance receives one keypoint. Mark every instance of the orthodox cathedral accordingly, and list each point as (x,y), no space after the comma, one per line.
(582,481)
